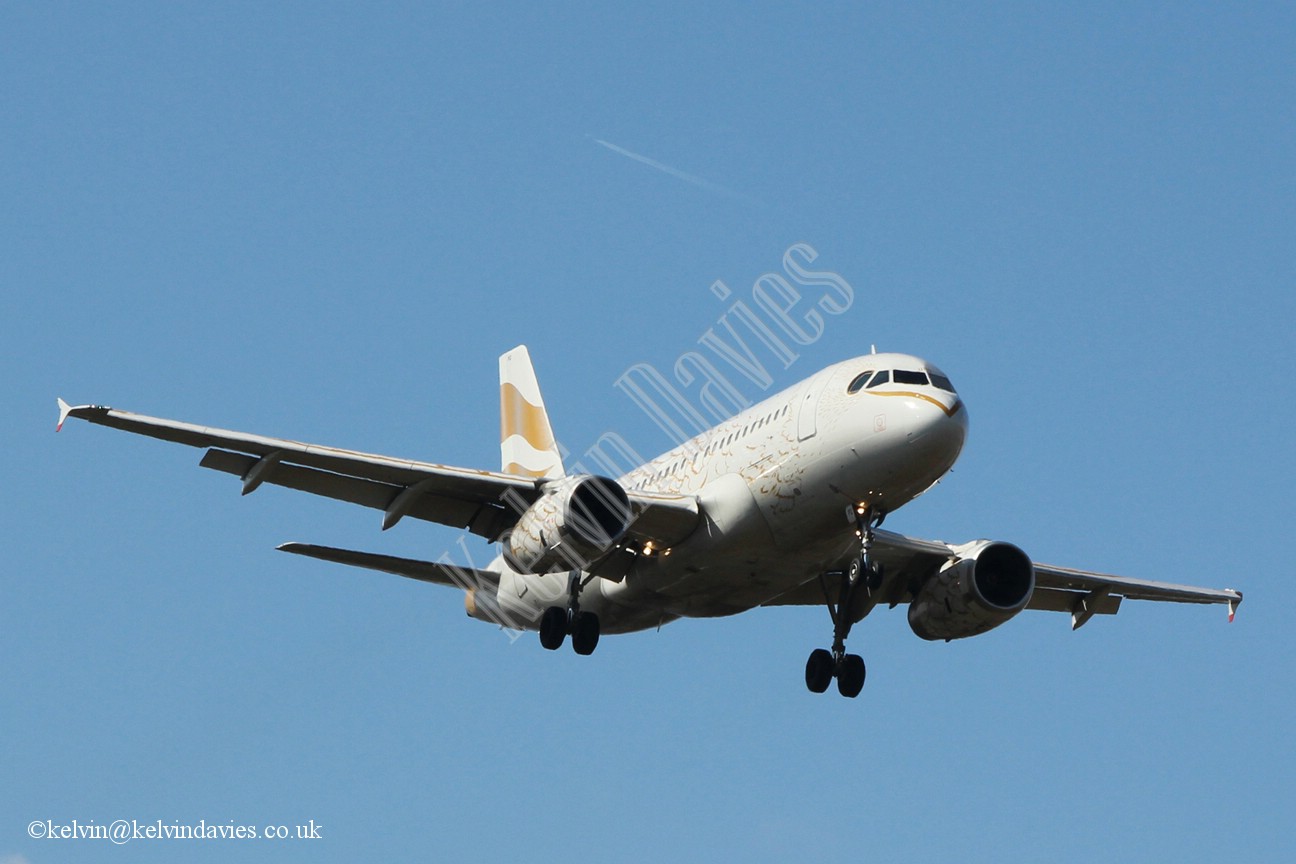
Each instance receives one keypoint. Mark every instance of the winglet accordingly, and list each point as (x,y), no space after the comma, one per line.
(1234,604)
(64,410)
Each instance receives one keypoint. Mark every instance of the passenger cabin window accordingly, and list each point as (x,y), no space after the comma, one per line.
(904,376)
(880,378)
(859,382)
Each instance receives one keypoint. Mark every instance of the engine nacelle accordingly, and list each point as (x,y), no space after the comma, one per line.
(573,523)
(973,593)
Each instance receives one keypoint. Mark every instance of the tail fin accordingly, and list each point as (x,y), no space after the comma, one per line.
(527,444)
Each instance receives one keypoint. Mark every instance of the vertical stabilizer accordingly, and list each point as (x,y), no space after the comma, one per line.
(527,444)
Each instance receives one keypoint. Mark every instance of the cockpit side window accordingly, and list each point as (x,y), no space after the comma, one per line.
(880,378)
(905,376)
(941,381)
(859,382)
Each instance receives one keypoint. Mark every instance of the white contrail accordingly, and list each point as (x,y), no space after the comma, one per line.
(675,172)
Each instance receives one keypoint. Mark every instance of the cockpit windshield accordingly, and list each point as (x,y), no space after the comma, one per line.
(904,376)
(940,381)
(870,379)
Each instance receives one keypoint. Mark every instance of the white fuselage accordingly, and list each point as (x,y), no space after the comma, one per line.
(777,484)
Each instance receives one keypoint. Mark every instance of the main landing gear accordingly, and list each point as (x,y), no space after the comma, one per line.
(558,621)
(855,596)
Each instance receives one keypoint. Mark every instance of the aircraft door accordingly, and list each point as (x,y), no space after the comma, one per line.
(808,411)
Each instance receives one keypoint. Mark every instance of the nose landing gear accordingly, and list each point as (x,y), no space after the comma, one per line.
(857,594)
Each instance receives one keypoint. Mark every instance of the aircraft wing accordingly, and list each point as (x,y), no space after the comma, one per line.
(910,561)
(487,503)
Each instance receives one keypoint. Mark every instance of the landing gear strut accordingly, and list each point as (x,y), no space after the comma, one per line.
(858,585)
(558,621)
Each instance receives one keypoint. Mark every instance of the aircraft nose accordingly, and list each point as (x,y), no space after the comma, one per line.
(937,429)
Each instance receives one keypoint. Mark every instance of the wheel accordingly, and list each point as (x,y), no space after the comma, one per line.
(850,676)
(819,670)
(876,576)
(585,632)
(553,627)
(853,571)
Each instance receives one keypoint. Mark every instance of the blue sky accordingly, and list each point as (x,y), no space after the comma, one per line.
(326,222)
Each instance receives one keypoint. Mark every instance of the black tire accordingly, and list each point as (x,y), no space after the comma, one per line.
(585,633)
(853,571)
(553,627)
(850,676)
(876,576)
(819,670)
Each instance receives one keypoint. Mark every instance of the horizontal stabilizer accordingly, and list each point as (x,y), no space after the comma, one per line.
(454,576)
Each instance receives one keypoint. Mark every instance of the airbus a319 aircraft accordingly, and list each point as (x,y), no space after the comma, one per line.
(779,505)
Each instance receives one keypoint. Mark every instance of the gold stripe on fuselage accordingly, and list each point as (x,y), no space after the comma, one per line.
(949,412)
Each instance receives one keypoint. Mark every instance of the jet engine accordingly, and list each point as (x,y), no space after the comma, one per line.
(974,593)
(572,524)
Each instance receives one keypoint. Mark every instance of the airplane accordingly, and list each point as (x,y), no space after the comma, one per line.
(779,505)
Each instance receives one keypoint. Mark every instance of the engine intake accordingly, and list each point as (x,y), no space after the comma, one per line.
(571,525)
(974,593)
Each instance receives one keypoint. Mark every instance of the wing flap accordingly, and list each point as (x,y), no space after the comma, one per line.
(1054,600)
(367,493)
(1068,579)
(487,519)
